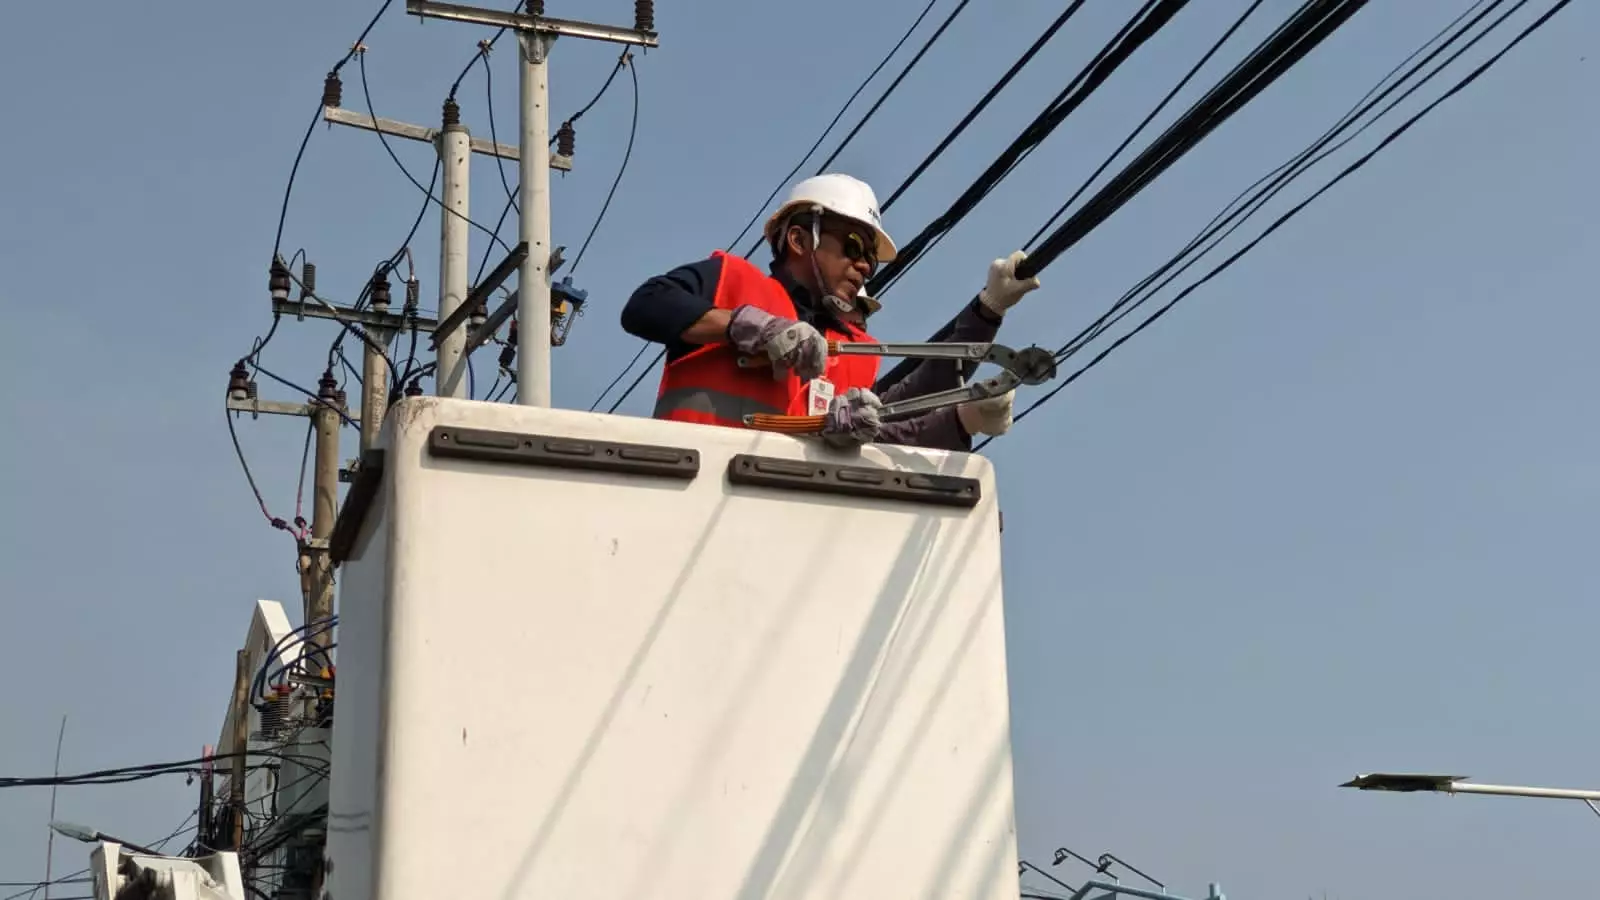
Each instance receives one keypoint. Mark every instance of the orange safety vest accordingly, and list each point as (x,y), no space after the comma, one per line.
(706,384)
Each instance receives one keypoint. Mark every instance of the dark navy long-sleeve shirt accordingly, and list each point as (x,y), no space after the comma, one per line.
(662,308)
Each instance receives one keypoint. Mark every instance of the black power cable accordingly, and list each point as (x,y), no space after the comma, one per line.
(829,129)
(294,169)
(1356,165)
(983,102)
(1314,23)
(511,199)
(1151,18)
(135,773)
(366,93)
(385,267)
(1264,189)
(904,367)
(1139,129)
(873,110)
(1287,45)
(494,132)
(627,154)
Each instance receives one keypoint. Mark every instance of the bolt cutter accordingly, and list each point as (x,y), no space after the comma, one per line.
(1031,366)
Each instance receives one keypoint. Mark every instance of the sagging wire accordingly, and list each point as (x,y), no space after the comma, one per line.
(1273,183)
(361,66)
(1148,21)
(1305,30)
(249,477)
(849,101)
(1350,169)
(333,75)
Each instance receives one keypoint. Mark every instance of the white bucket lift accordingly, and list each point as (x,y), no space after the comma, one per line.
(119,873)
(595,656)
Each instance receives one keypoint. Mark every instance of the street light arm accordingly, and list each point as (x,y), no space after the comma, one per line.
(1456,784)
(89,836)
(1512,790)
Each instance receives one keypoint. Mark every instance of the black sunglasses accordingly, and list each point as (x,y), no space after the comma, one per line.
(856,247)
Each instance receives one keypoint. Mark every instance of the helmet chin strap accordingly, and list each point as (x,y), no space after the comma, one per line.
(839,305)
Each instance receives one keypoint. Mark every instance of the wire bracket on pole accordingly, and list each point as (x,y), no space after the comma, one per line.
(480,295)
(490,325)
(367,318)
(541,25)
(422,133)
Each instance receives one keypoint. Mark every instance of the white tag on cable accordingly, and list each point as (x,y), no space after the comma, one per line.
(819,396)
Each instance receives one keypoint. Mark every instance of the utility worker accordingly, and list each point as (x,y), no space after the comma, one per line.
(826,239)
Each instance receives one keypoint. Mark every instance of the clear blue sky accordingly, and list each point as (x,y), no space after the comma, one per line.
(1334,514)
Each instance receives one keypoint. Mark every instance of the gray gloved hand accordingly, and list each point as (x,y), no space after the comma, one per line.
(853,419)
(789,344)
(1003,289)
(990,416)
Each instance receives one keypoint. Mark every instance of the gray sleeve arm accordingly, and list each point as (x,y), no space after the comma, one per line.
(937,430)
(975,323)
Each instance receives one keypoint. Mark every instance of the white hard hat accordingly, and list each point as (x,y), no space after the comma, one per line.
(842,195)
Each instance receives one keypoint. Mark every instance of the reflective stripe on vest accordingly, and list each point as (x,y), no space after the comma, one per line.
(706,386)
(708,406)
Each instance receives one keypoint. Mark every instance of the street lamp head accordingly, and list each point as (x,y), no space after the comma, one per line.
(75,831)
(1403,782)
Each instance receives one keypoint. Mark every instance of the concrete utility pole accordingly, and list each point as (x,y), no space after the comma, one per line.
(536,34)
(455,157)
(533,285)
(205,823)
(241,745)
(457,303)
(327,411)
(324,510)
(374,368)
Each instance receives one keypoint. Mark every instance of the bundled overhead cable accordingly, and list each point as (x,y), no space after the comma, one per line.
(1313,23)
(1292,42)
(983,102)
(1151,18)
(1252,198)
(124,774)
(1275,184)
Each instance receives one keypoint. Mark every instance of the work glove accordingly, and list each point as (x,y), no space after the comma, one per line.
(1004,289)
(852,420)
(991,415)
(789,344)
